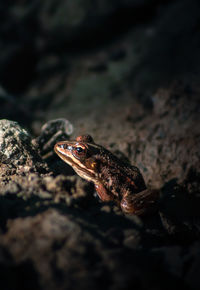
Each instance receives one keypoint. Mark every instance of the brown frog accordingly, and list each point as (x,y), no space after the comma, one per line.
(113,179)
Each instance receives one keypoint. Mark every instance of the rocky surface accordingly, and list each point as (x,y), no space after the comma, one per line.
(126,72)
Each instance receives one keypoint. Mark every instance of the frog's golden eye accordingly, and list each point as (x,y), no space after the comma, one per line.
(79,149)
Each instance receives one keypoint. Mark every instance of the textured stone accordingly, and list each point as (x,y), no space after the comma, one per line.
(16,149)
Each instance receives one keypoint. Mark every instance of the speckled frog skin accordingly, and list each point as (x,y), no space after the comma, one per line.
(113,179)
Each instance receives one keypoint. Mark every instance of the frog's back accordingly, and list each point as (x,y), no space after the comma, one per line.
(117,175)
(136,179)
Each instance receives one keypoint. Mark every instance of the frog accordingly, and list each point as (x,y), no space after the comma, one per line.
(114,179)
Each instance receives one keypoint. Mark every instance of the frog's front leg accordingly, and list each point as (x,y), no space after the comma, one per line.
(102,192)
(140,203)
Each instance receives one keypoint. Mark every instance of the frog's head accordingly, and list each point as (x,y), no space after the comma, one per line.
(81,154)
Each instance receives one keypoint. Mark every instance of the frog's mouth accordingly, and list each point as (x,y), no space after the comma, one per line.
(78,166)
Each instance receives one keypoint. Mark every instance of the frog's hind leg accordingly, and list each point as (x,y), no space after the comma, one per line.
(140,203)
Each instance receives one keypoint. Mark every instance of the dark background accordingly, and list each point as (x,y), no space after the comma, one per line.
(70,58)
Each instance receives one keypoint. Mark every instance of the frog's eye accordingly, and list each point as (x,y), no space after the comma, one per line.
(79,149)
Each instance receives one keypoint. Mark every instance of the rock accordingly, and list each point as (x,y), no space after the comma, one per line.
(62,243)
(25,174)
(51,239)
(52,132)
(17,151)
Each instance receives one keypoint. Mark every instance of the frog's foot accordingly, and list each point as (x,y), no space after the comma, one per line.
(140,203)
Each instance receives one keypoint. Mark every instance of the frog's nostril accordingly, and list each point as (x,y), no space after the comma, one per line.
(62,146)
